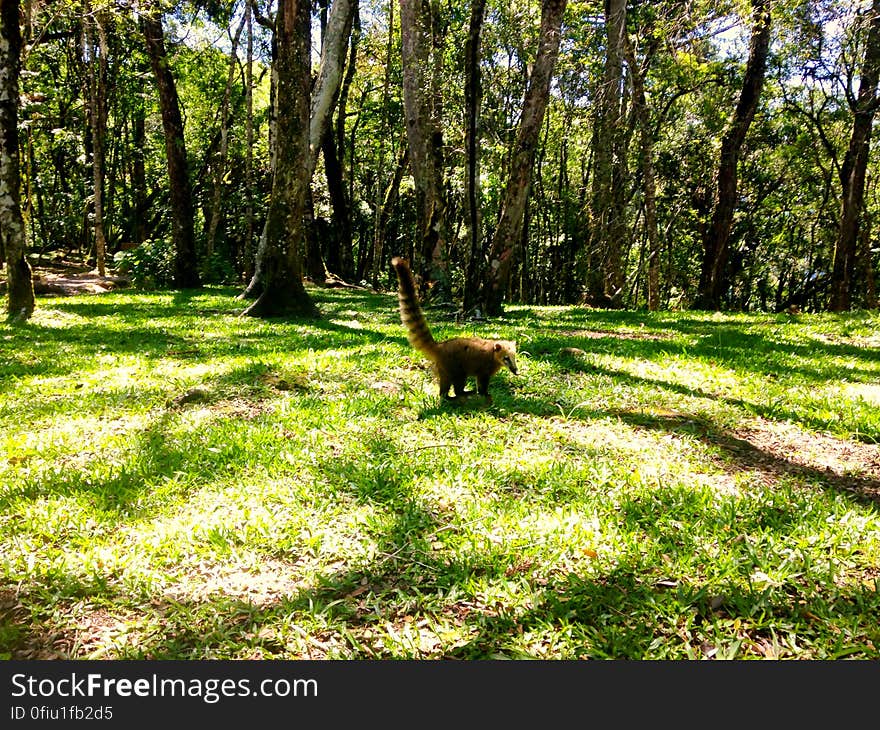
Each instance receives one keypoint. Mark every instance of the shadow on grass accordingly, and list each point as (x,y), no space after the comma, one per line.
(628,608)
(774,411)
(728,346)
(745,455)
(631,610)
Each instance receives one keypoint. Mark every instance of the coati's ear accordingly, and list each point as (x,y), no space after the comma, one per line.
(497,346)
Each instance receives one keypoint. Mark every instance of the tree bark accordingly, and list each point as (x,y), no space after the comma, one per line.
(20,302)
(713,281)
(854,168)
(510,223)
(326,90)
(220,161)
(186,273)
(283,293)
(98,49)
(340,257)
(424,135)
(606,275)
(646,153)
(472,97)
(247,264)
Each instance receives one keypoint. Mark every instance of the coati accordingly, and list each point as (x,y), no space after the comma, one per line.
(456,359)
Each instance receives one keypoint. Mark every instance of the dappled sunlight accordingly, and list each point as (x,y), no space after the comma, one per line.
(203,486)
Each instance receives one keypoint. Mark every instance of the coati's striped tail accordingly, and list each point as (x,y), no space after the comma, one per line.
(410,312)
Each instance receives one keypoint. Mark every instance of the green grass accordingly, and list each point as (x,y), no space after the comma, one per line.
(179,482)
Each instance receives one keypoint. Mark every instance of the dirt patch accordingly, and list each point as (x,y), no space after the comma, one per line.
(65,279)
(49,283)
(835,457)
(775,450)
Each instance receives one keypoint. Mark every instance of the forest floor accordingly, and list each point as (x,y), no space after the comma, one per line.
(66,278)
(63,278)
(180,482)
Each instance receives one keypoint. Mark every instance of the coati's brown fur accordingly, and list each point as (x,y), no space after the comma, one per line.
(457,359)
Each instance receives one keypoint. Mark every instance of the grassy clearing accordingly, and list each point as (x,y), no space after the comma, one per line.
(176,482)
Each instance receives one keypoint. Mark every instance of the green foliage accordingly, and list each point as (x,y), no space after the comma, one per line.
(692,62)
(178,482)
(150,265)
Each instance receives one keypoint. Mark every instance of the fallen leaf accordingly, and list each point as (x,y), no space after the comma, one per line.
(357,591)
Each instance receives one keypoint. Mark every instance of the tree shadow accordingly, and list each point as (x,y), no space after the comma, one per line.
(773,411)
(745,455)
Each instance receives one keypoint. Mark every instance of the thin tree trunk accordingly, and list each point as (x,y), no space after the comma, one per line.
(186,273)
(713,281)
(97,45)
(646,142)
(220,162)
(283,293)
(20,302)
(372,255)
(335,32)
(854,168)
(867,265)
(138,174)
(472,97)
(424,135)
(340,259)
(248,263)
(608,227)
(510,223)
(383,215)
(326,90)
(336,259)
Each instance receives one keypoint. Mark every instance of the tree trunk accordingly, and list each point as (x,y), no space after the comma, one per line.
(186,273)
(646,143)
(383,214)
(608,229)
(247,264)
(370,258)
(326,89)
(97,46)
(325,93)
(472,97)
(220,162)
(283,293)
(510,222)
(854,168)
(713,281)
(340,259)
(867,265)
(424,134)
(20,303)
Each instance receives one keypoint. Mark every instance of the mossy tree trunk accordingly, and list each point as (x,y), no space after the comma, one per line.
(281,261)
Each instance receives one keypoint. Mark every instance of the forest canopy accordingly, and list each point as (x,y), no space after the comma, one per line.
(628,155)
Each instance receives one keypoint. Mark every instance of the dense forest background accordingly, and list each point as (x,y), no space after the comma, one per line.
(715,155)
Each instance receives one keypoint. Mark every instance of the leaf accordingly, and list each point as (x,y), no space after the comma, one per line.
(358,591)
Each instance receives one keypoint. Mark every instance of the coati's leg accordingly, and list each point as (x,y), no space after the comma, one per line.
(445,383)
(458,385)
(483,385)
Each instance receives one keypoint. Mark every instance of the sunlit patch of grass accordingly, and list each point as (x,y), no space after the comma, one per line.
(179,482)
